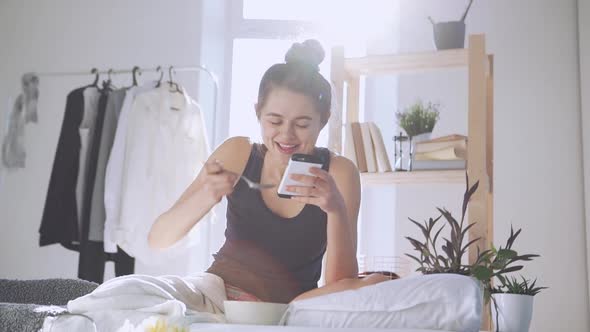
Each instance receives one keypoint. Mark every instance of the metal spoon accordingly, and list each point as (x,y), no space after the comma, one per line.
(255,185)
(251,184)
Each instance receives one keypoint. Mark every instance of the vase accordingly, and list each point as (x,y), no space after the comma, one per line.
(511,312)
(449,35)
(413,140)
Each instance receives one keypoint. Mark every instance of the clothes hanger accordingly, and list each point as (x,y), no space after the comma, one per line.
(135,71)
(96,78)
(108,84)
(159,70)
(173,85)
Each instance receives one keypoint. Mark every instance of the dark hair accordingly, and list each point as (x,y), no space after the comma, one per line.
(300,73)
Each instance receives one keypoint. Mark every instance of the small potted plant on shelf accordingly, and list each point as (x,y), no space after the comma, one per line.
(418,120)
(489,264)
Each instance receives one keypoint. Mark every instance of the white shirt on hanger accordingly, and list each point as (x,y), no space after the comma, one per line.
(166,146)
(114,170)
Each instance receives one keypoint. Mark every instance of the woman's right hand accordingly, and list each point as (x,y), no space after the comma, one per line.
(218,182)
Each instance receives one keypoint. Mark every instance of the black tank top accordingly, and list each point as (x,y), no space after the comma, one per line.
(269,256)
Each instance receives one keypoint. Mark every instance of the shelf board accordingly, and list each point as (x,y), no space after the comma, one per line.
(398,63)
(414,177)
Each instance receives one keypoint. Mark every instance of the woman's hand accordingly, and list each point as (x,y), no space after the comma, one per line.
(218,182)
(324,193)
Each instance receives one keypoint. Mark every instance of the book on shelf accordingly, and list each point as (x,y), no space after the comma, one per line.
(444,142)
(369,148)
(422,165)
(349,150)
(450,153)
(359,148)
(364,145)
(383,164)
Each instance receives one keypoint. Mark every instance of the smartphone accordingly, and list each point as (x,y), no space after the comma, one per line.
(298,164)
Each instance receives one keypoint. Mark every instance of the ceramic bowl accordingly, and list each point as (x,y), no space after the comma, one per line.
(259,313)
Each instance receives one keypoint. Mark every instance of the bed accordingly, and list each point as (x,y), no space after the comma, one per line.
(134,303)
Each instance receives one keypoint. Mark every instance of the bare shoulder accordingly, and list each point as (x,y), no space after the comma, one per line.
(233,153)
(343,169)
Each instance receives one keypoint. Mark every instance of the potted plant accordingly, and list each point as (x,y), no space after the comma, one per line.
(512,300)
(418,120)
(489,264)
(448,257)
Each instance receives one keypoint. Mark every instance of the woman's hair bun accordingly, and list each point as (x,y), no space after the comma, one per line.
(310,52)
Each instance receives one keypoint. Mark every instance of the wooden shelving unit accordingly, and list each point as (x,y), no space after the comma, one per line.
(345,77)
(417,177)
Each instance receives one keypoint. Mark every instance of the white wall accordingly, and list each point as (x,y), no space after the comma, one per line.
(538,143)
(70,35)
(584,50)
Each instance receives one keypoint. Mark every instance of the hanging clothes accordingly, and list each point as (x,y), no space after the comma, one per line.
(66,216)
(114,169)
(111,117)
(165,147)
(91,99)
(59,223)
(23,111)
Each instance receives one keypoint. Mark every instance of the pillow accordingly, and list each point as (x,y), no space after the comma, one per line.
(449,302)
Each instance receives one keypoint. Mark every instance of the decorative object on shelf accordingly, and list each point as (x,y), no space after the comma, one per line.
(399,158)
(450,35)
(513,304)
(418,121)
(418,118)
(446,152)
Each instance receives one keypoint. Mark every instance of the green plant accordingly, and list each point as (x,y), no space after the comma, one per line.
(449,260)
(499,262)
(511,285)
(488,264)
(418,118)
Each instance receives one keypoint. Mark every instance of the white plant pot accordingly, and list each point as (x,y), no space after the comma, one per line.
(512,312)
(416,139)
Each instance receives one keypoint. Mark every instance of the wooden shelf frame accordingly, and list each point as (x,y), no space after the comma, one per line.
(403,63)
(414,177)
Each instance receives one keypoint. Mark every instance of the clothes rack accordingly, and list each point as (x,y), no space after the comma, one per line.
(139,70)
(92,255)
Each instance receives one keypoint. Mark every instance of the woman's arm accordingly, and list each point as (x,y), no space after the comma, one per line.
(341,259)
(337,193)
(212,183)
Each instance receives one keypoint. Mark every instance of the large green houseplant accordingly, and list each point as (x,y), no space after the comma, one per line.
(489,264)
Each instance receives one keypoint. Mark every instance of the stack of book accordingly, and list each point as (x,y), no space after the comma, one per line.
(363,144)
(447,152)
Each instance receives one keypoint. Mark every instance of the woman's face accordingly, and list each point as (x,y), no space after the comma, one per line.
(289,124)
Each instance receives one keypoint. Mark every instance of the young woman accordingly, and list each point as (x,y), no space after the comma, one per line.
(274,246)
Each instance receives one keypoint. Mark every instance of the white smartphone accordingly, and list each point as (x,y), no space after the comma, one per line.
(298,164)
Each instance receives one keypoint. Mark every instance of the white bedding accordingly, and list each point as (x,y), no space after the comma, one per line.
(133,303)
(255,328)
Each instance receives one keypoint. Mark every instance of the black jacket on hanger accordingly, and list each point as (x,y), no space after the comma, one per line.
(59,223)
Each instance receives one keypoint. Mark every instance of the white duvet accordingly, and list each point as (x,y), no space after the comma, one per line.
(136,302)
